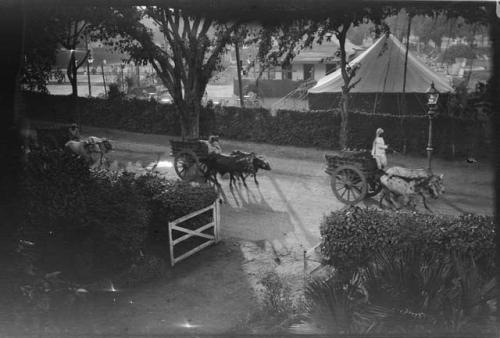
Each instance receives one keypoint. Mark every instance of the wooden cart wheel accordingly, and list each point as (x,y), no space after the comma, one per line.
(186,164)
(203,168)
(349,184)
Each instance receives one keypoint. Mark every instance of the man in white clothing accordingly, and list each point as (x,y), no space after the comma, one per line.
(378,149)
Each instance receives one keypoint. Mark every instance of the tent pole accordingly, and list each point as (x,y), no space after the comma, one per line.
(375,103)
(403,97)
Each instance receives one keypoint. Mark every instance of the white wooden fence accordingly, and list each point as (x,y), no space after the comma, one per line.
(174,225)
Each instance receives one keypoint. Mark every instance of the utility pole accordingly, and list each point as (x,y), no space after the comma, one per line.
(238,68)
(103,77)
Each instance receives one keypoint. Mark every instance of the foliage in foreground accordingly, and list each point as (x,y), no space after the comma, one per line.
(407,293)
(100,219)
(77,225)
(406,273)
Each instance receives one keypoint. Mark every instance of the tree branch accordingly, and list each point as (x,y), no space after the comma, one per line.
(83,60)
(212,60)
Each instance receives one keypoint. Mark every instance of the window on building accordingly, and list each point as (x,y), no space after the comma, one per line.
(330,68)
(308,72)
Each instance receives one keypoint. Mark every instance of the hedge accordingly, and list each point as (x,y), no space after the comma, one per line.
(319,129)
(350,237)
(86,222)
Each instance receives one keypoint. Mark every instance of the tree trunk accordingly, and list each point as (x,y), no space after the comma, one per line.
(344,116)
(190,118)
(345,88)
(72,75)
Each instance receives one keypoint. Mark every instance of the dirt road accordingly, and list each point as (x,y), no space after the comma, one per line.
(265,227)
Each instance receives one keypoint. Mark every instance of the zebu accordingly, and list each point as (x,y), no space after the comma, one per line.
(225,164)
(406,184)
(256,162)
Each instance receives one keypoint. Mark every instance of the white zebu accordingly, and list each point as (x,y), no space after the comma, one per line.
(88,147)
(405,184)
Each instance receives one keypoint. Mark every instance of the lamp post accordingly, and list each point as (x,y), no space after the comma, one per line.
(89,63)
(432,99)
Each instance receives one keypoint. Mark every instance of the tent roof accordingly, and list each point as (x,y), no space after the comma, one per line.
(381,71)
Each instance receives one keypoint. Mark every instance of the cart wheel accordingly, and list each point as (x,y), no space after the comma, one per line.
(186,164)
(349,184)
(203,168)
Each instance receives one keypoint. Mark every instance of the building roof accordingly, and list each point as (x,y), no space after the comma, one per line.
(381,69)
(324,52)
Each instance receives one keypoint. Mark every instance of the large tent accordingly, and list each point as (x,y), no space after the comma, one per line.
(380,82)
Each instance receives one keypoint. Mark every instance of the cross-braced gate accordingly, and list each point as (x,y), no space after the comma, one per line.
(199,232)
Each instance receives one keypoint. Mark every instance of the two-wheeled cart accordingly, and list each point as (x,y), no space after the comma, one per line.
(354,176)
(189,158)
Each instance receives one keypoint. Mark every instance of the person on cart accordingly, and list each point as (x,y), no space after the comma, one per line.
(378,149)
(213,145)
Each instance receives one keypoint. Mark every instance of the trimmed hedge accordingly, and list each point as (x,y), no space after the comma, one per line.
(168,200)
(86,222)
(350,237)
(82,220)
(320,129)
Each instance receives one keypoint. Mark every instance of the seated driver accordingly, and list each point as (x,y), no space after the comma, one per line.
(213,145)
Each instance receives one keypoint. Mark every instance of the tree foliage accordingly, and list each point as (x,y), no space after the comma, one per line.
(280,44)
(39,52)
(50,29)
(185,50)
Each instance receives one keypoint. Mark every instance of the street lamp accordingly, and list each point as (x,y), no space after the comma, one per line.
(432,100)
(89,64)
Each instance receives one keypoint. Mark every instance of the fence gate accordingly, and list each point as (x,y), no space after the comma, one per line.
(211,239)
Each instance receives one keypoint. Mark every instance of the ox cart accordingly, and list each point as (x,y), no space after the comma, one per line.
(354,176)
(189,158)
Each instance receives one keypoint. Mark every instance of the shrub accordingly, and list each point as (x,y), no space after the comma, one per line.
(98,220)
(406,293)
(115,92)
(415,272)
(118,218)
(277,298)
(179,198)
(350,237)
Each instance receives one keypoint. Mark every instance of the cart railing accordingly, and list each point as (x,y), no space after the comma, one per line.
(363,160)
(196,146)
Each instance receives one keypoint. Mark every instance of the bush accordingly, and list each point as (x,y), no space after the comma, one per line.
(98,219)
(118,218)
(413,273)
(115,92)
(178,199)
(350,237)
(458,51)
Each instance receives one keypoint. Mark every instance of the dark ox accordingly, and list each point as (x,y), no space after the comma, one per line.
(257,162)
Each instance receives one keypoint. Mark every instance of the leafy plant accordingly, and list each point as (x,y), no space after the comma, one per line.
(277,298)
(335,304)
(410,292)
